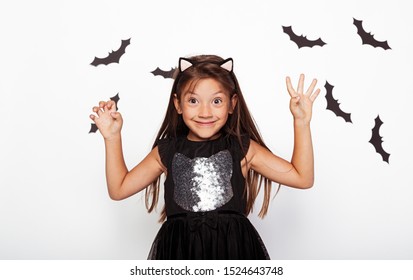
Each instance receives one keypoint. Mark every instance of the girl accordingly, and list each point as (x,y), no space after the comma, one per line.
(214,161)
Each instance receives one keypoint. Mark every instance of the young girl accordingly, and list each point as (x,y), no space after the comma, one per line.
(214,161)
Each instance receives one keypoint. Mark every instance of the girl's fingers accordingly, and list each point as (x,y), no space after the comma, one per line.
(290,88)
(111,105)
(97,110)
(105,106)
(311,87)
(102,104)
(300,87)
(115,115)
(314,95)
(299,93)
(296,99)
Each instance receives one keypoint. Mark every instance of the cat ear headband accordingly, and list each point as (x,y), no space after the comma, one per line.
(185,63)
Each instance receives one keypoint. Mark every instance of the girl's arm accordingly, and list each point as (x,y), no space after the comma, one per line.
(121,182)
(298,173)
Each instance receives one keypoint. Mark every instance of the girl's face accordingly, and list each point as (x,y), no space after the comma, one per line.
(205,109)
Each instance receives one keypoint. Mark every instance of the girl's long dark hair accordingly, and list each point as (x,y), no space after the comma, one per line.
(239,123)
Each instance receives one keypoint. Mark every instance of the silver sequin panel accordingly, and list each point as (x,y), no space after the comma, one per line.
(202,184)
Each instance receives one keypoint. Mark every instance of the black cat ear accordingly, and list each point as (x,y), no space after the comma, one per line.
(227,64)
(184,64)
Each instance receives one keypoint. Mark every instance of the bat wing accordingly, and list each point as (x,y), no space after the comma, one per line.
(333,105)
(376,140)
(302,41)
(165,74)
(367,38)
(93,128)
(97,61)
(116,99)
(113,56)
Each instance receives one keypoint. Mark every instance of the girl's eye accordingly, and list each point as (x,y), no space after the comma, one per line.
(192,100)
(217,101)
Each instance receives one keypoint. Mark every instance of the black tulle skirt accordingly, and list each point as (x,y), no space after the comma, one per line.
(216,235)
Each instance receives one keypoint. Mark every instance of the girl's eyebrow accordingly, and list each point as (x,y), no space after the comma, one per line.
(194,93)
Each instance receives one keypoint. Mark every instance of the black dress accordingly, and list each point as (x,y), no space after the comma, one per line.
(205,202)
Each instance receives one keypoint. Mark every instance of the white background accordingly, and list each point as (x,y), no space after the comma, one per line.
(53,198)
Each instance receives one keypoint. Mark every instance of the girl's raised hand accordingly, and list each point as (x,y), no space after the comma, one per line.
(301,103)
(108,121)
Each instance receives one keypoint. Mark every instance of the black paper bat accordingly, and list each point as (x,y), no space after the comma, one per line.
(376,140)
(302,41)
(368,38)
(165,74)
(93,127)
(116,99)
(333,105)
(113,56)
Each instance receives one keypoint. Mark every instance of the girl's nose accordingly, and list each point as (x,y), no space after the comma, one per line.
(205,111)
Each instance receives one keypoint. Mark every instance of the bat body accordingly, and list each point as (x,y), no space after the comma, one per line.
(376,140)
(368,38)
(165,74)
(333,105)
(113,56)
(302,41)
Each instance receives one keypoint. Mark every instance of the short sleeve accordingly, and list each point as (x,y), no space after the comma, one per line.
(164,150)
(240,150)
(245,142)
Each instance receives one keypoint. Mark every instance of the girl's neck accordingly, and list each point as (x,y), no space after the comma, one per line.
(214,137)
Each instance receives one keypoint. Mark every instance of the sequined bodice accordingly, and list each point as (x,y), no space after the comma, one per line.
(202,176)
(202,184)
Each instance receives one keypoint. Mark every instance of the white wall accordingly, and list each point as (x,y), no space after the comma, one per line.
(53,199)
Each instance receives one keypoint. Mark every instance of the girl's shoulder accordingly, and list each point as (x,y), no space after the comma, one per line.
(165,148)
(239,144)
